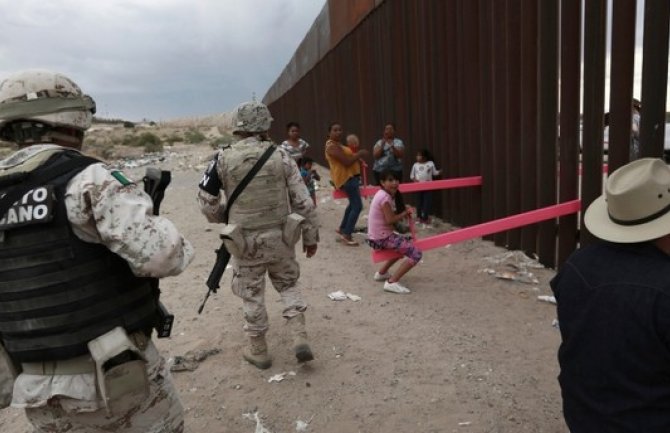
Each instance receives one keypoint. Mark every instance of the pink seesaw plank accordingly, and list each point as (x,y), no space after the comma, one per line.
(487,228)
(458,182)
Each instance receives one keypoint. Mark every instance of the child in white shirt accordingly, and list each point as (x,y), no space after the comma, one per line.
(423,170)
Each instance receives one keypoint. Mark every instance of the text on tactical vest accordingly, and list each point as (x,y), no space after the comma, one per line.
(34,207)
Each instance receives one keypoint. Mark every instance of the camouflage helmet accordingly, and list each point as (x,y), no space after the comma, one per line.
(251,117)
(44,97)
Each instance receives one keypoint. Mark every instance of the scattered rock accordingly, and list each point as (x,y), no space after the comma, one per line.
(191,360)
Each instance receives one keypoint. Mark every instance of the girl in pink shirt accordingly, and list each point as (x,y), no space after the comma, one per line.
(384,212)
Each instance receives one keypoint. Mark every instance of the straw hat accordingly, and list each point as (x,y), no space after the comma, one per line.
(636,203)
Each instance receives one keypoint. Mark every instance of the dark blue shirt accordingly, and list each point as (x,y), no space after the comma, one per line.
(614,315)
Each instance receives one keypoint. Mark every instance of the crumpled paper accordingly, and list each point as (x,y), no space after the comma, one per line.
(260,428)
(549,299)
(513,266)
(342,296)
(281,376)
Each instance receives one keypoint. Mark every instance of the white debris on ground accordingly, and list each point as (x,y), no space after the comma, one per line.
(166,159)
(281,376)
(260,428)
(146,159)
(342,296)
(513,266)
(545,298)
(301,426)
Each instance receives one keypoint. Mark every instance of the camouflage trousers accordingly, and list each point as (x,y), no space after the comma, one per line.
(266,252)
(161,412)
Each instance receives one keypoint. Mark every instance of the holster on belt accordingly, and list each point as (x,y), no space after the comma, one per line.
(8,374)
(232,238)
(292,229)
(120,371)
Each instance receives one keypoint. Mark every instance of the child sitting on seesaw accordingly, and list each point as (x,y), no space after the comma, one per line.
(386,209)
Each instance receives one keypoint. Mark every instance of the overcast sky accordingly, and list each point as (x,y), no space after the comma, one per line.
(161,59)
(157,59)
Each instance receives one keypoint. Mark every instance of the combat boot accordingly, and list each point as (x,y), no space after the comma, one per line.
(300,345)
(257,353)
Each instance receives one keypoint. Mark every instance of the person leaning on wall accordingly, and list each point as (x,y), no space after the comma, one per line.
(613,304)
(387,153)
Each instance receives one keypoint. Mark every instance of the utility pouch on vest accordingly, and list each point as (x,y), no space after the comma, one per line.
(7,375)
(232,238)
(292,229)
(120,371)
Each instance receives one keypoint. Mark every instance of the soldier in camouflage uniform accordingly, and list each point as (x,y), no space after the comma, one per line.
(262,215)
(77,252)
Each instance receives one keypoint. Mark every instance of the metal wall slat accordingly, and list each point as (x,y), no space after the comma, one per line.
(451,57)
(460,216)
(654,77)
(571,59)
(513,118)
(499,117)
(472,197)
(487,162)
(594,98)
(529,127)
(547,122)
(621,82)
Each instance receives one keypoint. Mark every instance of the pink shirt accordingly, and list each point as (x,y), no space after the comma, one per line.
(377,227)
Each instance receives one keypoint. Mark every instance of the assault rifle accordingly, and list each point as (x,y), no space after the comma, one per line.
(214,279)
(155,183)
(222,254)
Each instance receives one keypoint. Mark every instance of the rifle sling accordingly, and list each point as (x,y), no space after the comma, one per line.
(247,178)
(236,192)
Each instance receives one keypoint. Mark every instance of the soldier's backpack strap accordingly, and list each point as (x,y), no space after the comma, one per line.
(39,177)
(222,254)
(247,178)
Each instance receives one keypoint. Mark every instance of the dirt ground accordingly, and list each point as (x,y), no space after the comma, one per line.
(465,352)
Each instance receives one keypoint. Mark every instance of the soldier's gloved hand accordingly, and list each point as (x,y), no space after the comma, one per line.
(309,250)
(210,180)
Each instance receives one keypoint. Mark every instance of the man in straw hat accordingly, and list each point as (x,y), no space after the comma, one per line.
(614,308)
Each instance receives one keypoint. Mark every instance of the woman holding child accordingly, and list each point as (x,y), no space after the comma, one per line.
(345,174)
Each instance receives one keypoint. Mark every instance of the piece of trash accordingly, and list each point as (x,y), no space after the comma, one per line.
(281,376)
(342,296)
(191,359)
(505,276)
(521,276)
(301,426)
(545,298)
(337,296)
(277,378)
(527,277)
(260,428)
(464,423)
(515,258)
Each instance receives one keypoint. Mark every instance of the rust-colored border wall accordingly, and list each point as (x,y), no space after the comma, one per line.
(492,88)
